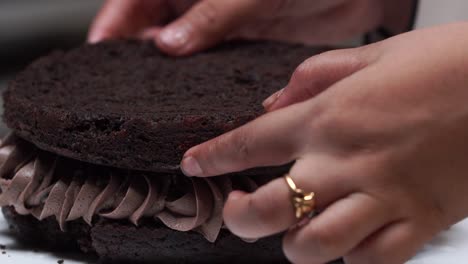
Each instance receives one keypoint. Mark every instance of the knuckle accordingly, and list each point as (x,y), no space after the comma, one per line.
(219,143)
(356,58)
(241,141)
(206,14)
(330,55)
(304,69)
(316,65)
(308,77)
(329,123)
(341,127)
(368,54)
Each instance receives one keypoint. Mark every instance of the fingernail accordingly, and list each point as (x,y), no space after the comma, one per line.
(235,195)
(94,38)
(191,167)
(174,37)
(148,33)
(270,101)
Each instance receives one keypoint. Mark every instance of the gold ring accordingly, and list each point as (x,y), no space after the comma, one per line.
(303,203)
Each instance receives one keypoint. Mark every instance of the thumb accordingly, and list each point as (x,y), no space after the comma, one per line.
(204,25)
(318,73)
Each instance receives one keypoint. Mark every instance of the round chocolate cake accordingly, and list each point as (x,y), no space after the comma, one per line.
(98,133)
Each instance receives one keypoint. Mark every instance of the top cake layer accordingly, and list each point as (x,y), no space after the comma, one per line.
(125,104)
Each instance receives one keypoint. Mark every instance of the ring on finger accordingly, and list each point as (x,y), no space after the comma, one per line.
(303,202)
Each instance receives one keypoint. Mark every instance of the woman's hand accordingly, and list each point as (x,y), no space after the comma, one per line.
(379,133)
(181,27)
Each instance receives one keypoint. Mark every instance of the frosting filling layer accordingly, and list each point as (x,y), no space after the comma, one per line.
(44,185)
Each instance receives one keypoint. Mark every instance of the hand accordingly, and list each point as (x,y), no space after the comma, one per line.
(379,133)
(181,27)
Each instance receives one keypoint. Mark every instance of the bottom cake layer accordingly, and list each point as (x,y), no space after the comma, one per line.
(119,242)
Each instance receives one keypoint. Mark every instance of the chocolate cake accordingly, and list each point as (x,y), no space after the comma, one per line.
(125,104)
(99,131)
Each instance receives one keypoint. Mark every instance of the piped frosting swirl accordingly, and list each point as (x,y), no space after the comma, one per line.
(43,185)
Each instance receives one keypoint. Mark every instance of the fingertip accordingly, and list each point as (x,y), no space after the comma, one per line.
(150,33)
(175,40)
(231,210)
(94,37)
(236,195)
(270,102)
(191,167)
(98,34)
(191,33)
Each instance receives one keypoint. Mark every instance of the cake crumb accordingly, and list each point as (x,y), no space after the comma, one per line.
(2,247)
(60,261)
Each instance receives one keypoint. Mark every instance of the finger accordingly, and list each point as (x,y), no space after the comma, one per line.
(332,22)
(123,18)
(337,230)
(205,24)
(396,243)
(150,33)
(269,210)
(317,74)
(272,139)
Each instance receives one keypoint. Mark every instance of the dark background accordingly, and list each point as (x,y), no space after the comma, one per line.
(32,28)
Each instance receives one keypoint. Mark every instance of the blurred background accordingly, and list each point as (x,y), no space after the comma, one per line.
(32,28)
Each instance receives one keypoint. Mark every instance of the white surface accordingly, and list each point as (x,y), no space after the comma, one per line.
(450,247)
(437,12)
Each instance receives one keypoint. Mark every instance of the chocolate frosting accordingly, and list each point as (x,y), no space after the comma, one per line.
(31,182)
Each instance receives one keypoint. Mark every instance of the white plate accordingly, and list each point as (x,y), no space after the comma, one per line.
(451,247)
